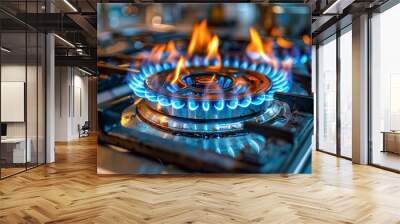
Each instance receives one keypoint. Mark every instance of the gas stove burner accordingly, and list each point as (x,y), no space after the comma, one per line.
(206,90)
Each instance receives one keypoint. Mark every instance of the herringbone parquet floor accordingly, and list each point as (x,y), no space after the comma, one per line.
(69,191)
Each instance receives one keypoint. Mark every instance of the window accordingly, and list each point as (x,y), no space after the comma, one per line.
(327,96)
(385,89)
(22,77)
(346,93)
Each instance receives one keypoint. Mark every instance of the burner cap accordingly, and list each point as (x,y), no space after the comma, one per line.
(208,83)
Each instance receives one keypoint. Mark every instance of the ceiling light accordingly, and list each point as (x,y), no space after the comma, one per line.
(84,71)
(5,50)
(337,7)
(331,7)
(65,41)
(70,5)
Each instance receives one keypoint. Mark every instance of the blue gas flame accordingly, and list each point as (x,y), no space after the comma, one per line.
(280,80)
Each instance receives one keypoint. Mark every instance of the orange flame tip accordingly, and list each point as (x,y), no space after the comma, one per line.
(179,66)
(159,50)
(171,49)
(156,52)
(307,39)
(201,36)
(283,43)
(269,46)
(212,49)
(256,45)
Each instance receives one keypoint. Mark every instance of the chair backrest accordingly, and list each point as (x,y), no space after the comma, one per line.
(86,124)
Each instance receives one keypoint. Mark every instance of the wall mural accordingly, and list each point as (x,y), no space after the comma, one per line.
(204,88)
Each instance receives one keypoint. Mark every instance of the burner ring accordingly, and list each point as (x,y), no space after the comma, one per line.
(261,81)
(241,92)
(247,83)
(201,128)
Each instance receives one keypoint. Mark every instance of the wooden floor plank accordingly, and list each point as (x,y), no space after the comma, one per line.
(70,191)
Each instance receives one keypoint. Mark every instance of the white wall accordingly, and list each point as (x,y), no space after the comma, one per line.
(33,127)
(61,96)
(12,73)
(71,102)
(80,110)
(15,72)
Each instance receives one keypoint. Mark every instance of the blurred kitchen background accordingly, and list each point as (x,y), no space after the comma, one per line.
(228,20)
